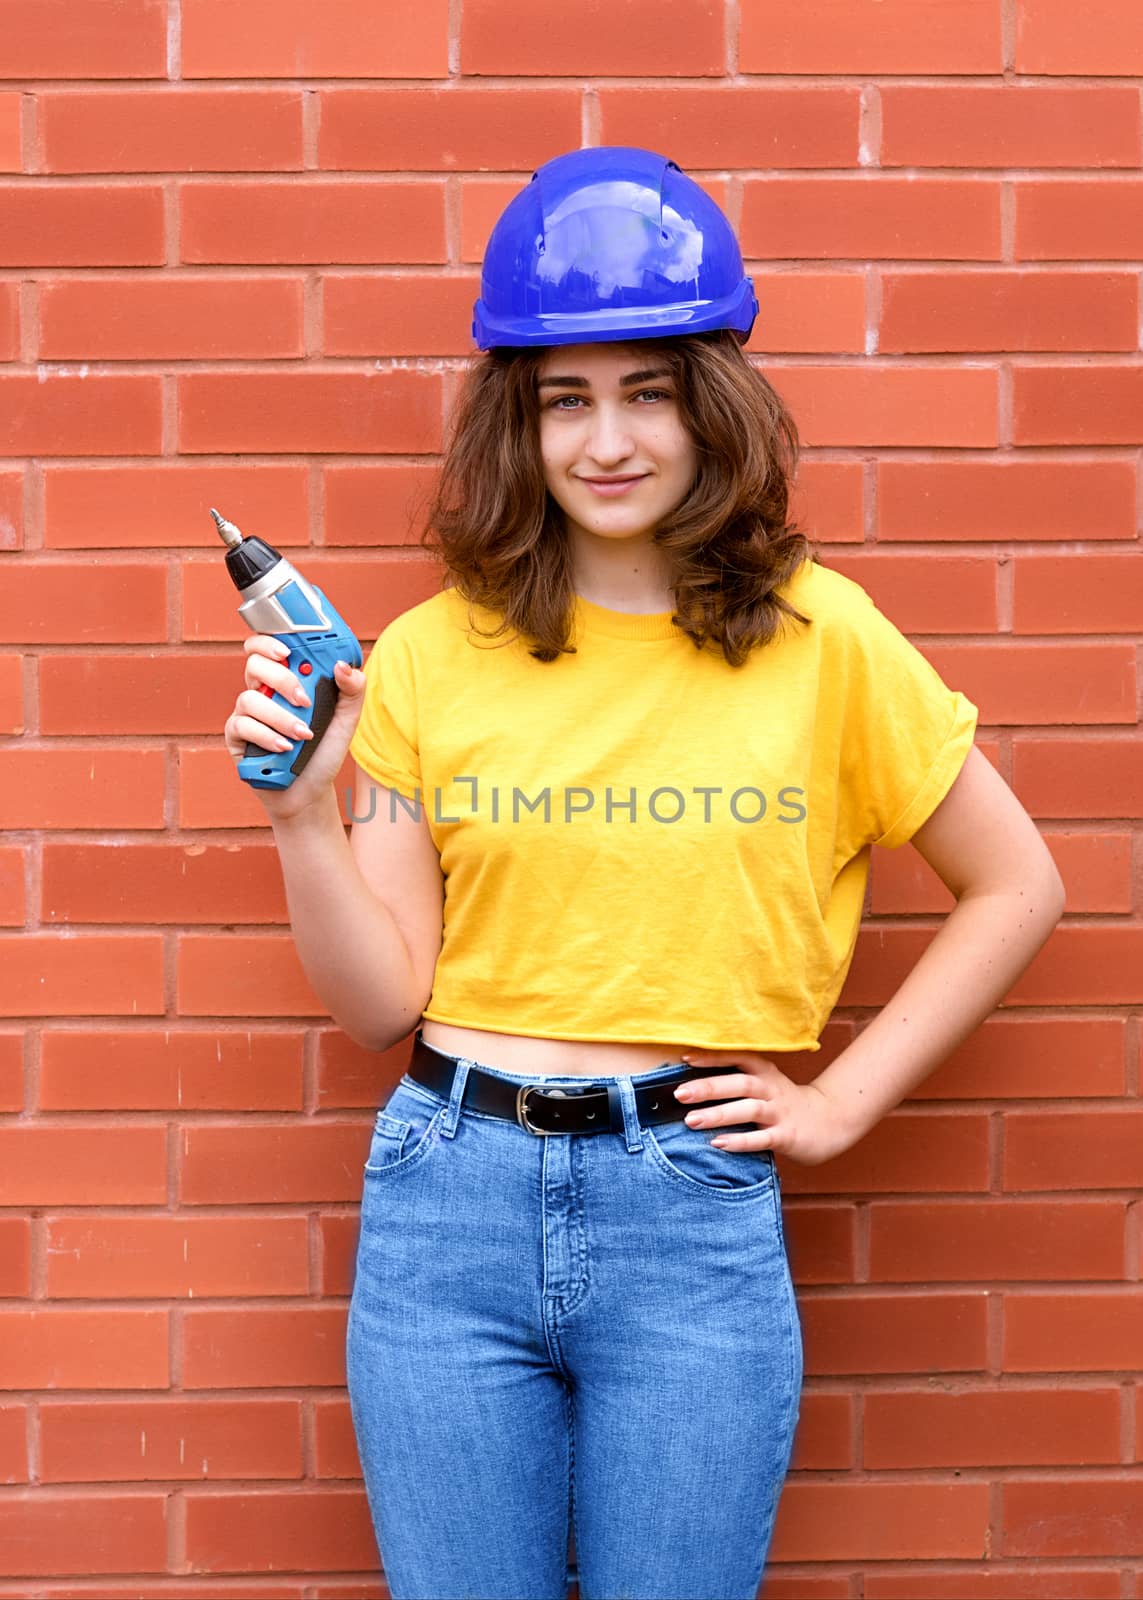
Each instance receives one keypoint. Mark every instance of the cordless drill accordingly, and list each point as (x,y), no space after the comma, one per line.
(278,600)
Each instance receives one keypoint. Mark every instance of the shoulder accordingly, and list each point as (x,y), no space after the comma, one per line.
(819,591)
(424,624)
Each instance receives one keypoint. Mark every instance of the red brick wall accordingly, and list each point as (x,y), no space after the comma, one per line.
(239,243)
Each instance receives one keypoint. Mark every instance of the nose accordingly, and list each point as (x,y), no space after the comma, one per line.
(609,440)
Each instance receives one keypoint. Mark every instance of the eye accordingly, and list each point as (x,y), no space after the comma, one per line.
(558,405)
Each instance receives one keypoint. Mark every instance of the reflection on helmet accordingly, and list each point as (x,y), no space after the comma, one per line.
(613,243)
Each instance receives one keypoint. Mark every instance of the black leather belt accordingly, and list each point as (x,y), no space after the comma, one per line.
(547,1110)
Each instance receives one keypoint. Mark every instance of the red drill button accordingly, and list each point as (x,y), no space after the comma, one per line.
(305,669)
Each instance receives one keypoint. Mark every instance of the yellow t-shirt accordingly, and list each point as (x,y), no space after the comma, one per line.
(642,843)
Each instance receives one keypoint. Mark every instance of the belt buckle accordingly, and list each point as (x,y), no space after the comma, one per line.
(522,1093)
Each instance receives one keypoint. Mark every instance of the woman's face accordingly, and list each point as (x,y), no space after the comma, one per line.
(610,411)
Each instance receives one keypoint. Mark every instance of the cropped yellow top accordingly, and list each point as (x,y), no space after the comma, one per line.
(642,843)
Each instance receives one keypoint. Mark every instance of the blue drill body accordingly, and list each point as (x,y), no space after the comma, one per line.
(278,600)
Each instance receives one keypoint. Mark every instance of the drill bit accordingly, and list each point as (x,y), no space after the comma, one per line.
(231,535)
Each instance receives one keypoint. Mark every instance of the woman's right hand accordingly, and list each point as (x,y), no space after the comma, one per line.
(259,720)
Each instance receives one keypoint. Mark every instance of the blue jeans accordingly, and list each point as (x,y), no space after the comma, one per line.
(594,1332)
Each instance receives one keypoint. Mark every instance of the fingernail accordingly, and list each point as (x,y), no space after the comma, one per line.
(301,729)
(682,1092)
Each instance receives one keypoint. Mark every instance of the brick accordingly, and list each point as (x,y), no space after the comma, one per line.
(258,1347)
(339,1236)
(15,1254)
(993,125)
(164,1257)
(226,1589)
(985,1428)
(348,1075)
(11,1070)
(335,1445)
(860,37)
(1072,1516)
(100,975)
(1079,777)
(809,312)
(285,1164)
(1096,869)
(824,1432)
(430,130)
(1053,37)
(315,1530)
(1089,1148)
(81,225)
(88,1533)
(114,507)
(498,37)
(65,602)
(827,499)
(1078,405)
(424,314)
(1073,1330)
(927,594)
(48,1164)
(168,318)
(109,1441)
(880,1521)
(868,218)
(846,404)
(717,126)
(1035,499)
(11,509)
(13,1444)
(994,1581)
(56,1347)
(186,1069)
(1076,594)
(81,788)
(376,504)
(161,883)
(908,1152)
(375,221)
(9,322)
(974,1241)
(1075,219)
(100,39)
(13,869)
(867,1332)
(1085,961)
(171,130)
(311,412)
(100,415)
(1049,683)
(821,1241)
(11,694)
(11,159)
(290,39)
(1007,311)
(162,694)
(215,974)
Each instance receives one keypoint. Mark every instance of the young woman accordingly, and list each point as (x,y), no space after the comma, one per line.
(617,788)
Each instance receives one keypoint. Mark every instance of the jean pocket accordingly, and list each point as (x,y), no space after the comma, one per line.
(687,1155)
(403,1133)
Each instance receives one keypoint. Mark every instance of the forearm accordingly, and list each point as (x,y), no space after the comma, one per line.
(348,942)
(980,950)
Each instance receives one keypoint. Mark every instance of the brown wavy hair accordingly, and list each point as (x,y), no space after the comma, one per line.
(729,545)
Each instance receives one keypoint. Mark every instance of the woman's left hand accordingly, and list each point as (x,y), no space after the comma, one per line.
(795,1120)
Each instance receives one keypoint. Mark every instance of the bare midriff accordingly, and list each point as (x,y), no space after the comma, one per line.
(528,1057)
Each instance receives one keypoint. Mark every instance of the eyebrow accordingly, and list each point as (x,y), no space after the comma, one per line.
(582,383)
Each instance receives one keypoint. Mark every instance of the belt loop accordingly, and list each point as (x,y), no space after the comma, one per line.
(621,1095)
(456,1097)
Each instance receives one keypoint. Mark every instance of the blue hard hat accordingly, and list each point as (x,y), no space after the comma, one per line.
(611,243)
